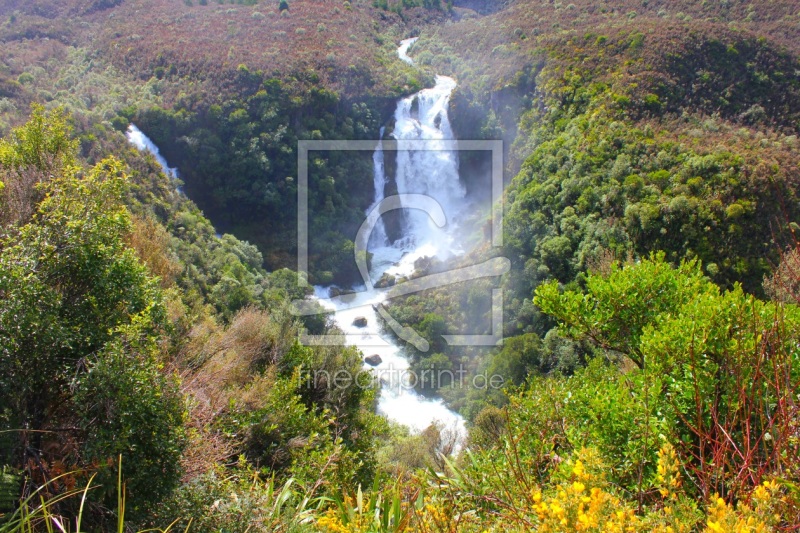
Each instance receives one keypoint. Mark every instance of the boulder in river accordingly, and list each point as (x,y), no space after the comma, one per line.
(422,265)
(373,360)
(387,280)
(360,322)
(345,294)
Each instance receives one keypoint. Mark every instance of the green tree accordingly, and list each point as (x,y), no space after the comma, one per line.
(130,408)
(45,142)
(615,310)
(79,322)
(29,155)
(721,369)
(432,327)
(67,282)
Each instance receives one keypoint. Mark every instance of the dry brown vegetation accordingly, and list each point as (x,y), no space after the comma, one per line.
(338,44)
(227,360)
(151,242)
(692,51)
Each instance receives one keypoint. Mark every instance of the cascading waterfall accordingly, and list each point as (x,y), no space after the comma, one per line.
(378,238)
(432,172)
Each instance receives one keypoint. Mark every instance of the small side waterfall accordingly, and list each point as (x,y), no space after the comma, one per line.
(378,237)
(143,142)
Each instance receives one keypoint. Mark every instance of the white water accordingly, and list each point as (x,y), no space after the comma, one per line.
(143,143)
(434,173)
(402,52)
(378,236)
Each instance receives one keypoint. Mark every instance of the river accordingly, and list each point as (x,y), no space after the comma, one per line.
(432,172)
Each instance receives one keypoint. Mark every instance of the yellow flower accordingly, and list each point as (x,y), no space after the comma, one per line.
(668,471)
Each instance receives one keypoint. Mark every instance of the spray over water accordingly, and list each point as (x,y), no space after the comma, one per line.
(432,172)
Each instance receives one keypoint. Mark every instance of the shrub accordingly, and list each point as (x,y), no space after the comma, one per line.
(721,366)
(235,499)
(131,409)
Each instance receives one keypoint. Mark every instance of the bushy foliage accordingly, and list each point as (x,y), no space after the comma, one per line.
(631,135)
(275,402)
(131,410)
(616,310)
(692,440)
(238,499)
(60,307)
(85,331)
(239,163)
(80,379)
(712,362)
(30,155)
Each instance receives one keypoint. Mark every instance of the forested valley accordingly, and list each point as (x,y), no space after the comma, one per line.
(154,369)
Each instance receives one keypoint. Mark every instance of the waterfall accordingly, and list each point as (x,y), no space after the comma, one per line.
(378,237)
(143,142)
(432,172)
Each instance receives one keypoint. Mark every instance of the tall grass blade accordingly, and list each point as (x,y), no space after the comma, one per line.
(83,501)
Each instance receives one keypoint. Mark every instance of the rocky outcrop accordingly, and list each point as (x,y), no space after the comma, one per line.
(373,360)
(387,280)
(334,291)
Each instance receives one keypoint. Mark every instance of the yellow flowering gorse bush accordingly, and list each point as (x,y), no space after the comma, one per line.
(757,517)
(578,506)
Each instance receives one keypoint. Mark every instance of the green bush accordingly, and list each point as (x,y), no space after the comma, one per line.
(80,317)
(710,366)
(131,408)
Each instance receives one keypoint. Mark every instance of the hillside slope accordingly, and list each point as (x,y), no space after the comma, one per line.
(225,91)
(631,129)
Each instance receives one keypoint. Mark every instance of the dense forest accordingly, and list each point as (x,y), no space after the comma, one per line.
(152,374)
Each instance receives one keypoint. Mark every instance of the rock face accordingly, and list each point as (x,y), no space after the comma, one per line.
(373,360)
(422,262)
(360,322)
(387,280)
(333,292)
